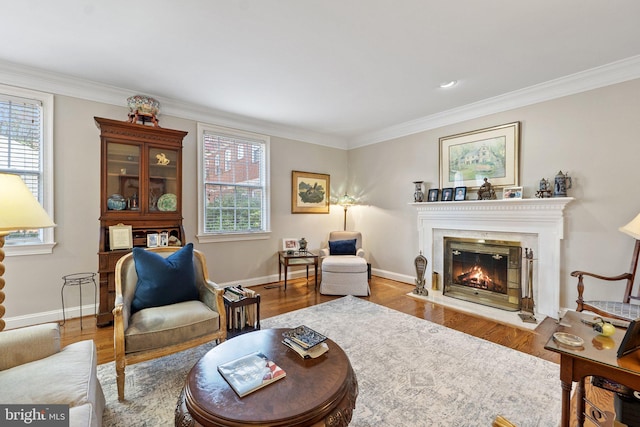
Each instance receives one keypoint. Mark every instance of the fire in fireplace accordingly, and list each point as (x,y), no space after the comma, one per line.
(484,272)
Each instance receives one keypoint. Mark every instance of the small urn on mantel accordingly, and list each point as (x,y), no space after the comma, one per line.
(418,195)
(561,184)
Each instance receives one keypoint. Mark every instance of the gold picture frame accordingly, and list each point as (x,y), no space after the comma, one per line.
(466,159)
(310,192)
(120,237)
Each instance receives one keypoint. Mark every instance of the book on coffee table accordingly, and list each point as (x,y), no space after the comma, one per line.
(312,353)
(304,336)
(249,373)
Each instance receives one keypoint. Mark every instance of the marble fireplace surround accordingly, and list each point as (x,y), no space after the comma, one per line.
(537,224)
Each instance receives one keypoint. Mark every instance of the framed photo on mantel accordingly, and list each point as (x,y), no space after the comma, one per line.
(466,159)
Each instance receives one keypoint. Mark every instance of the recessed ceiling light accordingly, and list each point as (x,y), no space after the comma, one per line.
(449,84)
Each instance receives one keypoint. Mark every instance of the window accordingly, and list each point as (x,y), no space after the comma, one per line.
(233,205)
(26,136)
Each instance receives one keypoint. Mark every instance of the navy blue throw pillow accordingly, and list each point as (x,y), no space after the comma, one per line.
(164,281)
(342,247)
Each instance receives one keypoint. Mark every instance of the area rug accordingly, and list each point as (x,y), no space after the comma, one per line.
(411,372)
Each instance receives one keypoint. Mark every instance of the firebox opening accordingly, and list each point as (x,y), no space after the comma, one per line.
(484,272)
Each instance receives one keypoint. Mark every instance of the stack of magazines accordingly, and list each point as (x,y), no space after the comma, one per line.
(308,343)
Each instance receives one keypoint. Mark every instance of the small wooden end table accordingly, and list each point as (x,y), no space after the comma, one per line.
(296,259)
(597,357)
(315,392)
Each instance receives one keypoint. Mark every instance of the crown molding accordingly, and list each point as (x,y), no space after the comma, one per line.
(56,83)
(609,74)
(60,84)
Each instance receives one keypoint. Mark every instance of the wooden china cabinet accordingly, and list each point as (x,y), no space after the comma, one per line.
(141,187)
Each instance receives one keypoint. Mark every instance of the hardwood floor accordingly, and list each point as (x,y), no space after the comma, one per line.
(385,292)
(392,294)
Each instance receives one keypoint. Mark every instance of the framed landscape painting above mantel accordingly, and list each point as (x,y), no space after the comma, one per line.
(310,192)
(466,159)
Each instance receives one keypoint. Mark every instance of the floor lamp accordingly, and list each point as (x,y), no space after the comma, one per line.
(346,202)
(19,210)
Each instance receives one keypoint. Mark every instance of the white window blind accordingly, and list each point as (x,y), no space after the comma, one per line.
(22,148)
(234,198)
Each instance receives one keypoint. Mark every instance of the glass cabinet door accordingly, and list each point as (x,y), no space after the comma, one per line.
(123,176)
(163,173)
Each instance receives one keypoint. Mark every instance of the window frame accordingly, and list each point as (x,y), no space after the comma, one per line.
(205,237)
(46,161)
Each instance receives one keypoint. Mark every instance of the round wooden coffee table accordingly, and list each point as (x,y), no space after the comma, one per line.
(315,392)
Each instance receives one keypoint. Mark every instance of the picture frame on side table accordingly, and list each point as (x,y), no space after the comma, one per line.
(447,194)
(511,193)
(120,237)
(466,159)
(433,194)
(152,240)
(289,244)
(310,192)
(460,194)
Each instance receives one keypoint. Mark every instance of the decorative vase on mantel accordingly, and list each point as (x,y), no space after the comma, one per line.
(418,195)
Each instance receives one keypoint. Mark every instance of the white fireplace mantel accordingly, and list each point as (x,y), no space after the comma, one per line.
(538,222)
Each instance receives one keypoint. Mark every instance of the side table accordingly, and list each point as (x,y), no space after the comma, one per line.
(296,259)
(79,279)
(596,357)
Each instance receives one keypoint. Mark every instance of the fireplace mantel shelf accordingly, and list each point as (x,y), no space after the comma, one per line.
(503,204)
(537,223)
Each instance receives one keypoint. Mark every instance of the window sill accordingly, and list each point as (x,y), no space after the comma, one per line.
(33,249)
(233,237)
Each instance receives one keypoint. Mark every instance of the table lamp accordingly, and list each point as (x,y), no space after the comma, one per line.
(632,228)
(19,210)
(346,201)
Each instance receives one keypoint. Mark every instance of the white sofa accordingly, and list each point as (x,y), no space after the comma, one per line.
(35,370)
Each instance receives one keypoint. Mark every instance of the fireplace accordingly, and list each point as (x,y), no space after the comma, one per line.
(537,224)
(486,272)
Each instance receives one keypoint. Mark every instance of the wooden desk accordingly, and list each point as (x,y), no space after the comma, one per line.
(315,392)
(598,357)
(302,258)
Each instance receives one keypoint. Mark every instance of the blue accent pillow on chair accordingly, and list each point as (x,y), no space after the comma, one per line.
(164,281)
(342,247)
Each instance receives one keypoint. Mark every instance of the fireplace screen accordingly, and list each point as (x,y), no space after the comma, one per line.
(484,272)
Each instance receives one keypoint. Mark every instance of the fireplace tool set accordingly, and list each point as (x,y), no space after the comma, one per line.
(526,302)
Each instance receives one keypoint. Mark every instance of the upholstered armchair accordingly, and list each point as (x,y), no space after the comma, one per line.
(164,304)
(344,267)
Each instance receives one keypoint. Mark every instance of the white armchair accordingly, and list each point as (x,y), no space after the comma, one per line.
(344,267)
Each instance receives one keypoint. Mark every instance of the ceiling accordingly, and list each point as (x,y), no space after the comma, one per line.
(345,70)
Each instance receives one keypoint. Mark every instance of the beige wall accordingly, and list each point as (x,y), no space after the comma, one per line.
(593,135)
(33,282)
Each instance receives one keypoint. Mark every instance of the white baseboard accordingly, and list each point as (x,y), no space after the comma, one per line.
(48,316)
(394,276)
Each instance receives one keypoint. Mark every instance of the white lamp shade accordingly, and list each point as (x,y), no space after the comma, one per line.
(633,228)
(19,210)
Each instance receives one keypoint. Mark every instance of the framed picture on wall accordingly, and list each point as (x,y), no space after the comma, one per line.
(310,192)
(466,159)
